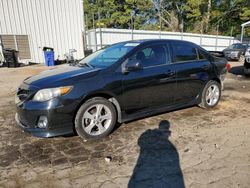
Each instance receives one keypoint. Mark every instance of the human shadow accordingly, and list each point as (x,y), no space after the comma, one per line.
(158,163)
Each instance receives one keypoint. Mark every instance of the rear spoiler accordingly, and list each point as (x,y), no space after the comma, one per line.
(216,53)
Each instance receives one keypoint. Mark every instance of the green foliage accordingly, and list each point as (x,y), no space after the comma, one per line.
(206,16)
(245,14)
(117,13)
(229,16)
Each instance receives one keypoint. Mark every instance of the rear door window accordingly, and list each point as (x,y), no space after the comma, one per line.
(153,55)
(201,55)
(184,52)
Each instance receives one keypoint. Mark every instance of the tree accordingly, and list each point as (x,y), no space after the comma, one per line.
(195,15)
(171,13)
(230,14)
(198,16)
(117,13)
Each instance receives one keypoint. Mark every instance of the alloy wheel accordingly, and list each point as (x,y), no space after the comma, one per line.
(96,119)
(212,95)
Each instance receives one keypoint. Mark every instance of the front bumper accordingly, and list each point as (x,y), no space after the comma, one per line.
(58,111)
(44,133)
(232,56)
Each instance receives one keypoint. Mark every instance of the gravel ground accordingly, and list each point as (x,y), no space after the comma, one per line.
(191,147)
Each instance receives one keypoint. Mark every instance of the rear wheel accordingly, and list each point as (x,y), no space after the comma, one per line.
(96,118)
(211,95)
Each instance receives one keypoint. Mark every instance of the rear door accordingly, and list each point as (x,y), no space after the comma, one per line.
(153,85)
(192,70)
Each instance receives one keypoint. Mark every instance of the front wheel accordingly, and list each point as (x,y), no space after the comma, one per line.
(96,118)
(246,71)
(211,95)
(241,58)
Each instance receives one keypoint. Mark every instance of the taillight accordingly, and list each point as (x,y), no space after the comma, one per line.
(228,66)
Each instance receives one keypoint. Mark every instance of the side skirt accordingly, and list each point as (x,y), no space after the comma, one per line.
(156,111)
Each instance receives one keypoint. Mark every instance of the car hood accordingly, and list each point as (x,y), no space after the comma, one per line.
(61,76)
(232,50)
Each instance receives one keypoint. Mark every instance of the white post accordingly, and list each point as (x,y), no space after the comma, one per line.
(242,33)
(216,41)
(100,30)
(95,35)
(231,35)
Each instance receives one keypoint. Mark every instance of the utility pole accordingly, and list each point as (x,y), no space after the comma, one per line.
(132,25)
(100,30)
(86,32)
(94,31)
(159,12)
(93,16)
(231,34)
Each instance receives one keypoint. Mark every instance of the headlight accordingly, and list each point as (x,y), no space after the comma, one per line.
(47,94)
(235,53)
(247,53)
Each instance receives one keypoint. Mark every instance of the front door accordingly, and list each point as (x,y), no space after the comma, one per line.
(154,85)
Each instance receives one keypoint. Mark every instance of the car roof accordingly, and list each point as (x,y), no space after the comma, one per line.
(241,43)
(145,41)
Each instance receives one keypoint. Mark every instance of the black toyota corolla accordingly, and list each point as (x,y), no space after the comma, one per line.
(122,82)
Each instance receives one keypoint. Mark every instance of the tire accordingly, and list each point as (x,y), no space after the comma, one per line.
(246,69)
(241,58)
(210,102)
(246,72)
(95,119)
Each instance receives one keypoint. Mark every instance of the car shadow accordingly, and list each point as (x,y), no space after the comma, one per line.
(238,70)
(158,162)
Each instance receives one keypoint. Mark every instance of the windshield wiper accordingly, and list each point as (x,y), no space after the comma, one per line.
(84,64)
(89,65)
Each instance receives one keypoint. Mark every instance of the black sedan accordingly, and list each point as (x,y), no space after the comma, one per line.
(123,82)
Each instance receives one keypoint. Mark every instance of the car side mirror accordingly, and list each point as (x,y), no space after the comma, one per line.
(133,65)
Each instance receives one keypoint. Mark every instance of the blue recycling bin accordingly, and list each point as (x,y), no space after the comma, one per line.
(49,56)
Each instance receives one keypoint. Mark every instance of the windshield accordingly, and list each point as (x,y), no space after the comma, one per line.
(237,46)
(109,55)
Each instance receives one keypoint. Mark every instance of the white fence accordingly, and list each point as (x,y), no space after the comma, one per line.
(97,38)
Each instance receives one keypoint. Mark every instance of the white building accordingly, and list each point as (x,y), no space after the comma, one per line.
(29,25)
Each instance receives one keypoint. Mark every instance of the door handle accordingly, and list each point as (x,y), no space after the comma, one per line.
(170,73)
(205,67)
(167,76)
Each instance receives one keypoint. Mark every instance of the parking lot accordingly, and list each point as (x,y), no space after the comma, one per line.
(202,148)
